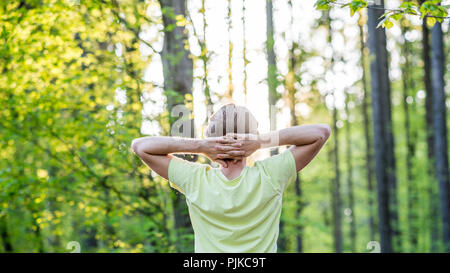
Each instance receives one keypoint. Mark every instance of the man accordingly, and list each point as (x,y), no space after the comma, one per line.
(234,208)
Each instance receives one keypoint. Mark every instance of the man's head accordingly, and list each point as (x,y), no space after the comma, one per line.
(231,118)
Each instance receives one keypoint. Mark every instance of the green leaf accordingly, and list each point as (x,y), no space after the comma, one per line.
(356,6)
(388,24)
(397,16)
(431,21)
(322,4)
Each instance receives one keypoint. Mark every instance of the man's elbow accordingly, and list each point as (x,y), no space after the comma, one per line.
(325,132)
(144,145)
(135,146)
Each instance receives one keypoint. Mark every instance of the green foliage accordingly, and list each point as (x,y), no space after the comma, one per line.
(66,170)
(324,4)
(432,10)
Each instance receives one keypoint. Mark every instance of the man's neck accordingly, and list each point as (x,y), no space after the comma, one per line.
(234,169)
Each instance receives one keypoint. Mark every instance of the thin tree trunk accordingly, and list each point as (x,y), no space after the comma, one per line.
(432,185)
(410,148)
(178,77)
(337,215)
(384,143)
(367,136)
(329,220)
(351,200)
(272,85)
(298,212)
(336,192)
(272,68)
(291,79)
(440,129)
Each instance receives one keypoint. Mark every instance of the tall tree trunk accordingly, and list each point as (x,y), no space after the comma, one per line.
(329,219)
(432,185)
(290,81)
(351,200)
(273,97)
(367,136)
(178,77)
(298,211)
(410,145)
(177,65)
(337,214)
(336,192)
(384,142)
(440,129)
(291,91)
(294,122)
(272,68)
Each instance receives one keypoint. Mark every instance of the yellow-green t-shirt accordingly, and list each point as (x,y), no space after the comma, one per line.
(239,215)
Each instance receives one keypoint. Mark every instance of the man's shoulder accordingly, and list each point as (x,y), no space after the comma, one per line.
(275,159)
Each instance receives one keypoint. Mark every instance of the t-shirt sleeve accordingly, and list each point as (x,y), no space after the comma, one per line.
(280,168)
(185,176)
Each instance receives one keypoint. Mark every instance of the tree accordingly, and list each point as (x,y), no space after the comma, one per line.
(336,185)
(410,138)
(337,207)
(434,204)
(293,77)
(272,81)
(350,188)
(440,129)
(178,77)
(430,9)
(367,134)
(382,125)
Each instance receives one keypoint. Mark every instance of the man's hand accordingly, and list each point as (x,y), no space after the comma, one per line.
(219,148)
(239,146)
(306,141)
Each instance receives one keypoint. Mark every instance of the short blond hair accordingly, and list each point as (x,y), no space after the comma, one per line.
(231,118)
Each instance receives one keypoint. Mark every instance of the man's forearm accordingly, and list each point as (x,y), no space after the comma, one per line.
(167,145)
(297,135)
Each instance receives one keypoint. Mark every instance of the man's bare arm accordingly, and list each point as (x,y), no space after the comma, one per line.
(307,140)
(155,151)
(167,145)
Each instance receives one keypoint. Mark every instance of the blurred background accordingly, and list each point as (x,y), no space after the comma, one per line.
(81,79)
